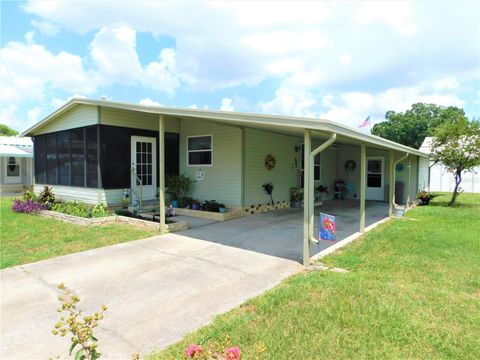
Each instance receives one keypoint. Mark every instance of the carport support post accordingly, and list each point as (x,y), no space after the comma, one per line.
(409,179)
(306,197)
(363,178)
(161,180)
(392,185)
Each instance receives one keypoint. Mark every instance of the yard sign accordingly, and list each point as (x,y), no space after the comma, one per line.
(327,227)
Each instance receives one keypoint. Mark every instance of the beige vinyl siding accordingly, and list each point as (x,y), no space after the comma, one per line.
(136,120)
(73,193)
(223,179)
(111,197)
(79,116)
(285,174)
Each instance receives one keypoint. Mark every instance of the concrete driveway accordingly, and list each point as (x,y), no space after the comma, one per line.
(156,290)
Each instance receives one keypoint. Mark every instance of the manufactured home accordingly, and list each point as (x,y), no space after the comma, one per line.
(16,159)
(96,151)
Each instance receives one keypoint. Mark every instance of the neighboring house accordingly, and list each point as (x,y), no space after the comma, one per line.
(440,179)
(16,158)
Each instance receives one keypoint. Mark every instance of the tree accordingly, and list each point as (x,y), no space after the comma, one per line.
(411,127)
(7,131)
(457,146)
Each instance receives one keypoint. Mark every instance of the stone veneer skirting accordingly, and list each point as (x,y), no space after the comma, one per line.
(263,208)
(108,220)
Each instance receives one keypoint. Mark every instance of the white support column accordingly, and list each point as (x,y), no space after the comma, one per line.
(391,192)
(363,178)
(306,196)
(409,180)
(161,179)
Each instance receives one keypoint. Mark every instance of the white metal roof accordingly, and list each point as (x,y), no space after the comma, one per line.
(16,146)
(274,122)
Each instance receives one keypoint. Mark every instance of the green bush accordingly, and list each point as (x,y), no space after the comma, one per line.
(81,210)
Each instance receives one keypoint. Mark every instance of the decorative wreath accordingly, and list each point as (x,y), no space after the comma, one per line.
(350,165)
(270,162)
(399,167)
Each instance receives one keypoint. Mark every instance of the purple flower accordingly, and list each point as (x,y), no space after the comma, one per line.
(27,206)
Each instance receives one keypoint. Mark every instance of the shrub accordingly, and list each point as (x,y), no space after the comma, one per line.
(211,205)
(47,197)
(27,206)
(28,195)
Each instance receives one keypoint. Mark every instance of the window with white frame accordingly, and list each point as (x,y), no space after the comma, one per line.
(199,150)
(316,165)
(13,167)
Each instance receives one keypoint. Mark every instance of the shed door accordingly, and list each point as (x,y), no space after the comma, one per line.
(144,167)
(375,178)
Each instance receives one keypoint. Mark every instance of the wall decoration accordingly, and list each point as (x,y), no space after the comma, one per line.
(399,167)
(270,162)
(350,165)
(200,175)
(327,227)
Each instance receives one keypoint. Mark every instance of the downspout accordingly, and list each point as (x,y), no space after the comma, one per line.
(311,181)
(394,171)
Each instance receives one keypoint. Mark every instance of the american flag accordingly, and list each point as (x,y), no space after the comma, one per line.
(365,122)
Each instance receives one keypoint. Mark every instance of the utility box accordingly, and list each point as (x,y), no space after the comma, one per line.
(400,192)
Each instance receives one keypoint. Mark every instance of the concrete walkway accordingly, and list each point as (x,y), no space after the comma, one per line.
(156,290)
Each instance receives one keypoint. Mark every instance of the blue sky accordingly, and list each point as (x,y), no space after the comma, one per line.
(337,60)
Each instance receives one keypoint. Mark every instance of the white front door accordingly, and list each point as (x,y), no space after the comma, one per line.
(144,167)
(375,178)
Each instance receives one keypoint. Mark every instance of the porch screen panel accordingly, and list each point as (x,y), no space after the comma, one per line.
(51,159)
(92,157)
(63,140)
(40,165)
(78,157)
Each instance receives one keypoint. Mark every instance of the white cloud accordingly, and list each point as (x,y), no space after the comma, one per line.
(115,57)
(397,15)
(33,113)
(227,105)
(45,27)
(149,102)
(193,106)
(345,59)
(57,102)
(161,75)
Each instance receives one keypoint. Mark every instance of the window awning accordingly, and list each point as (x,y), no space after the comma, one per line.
(16,151)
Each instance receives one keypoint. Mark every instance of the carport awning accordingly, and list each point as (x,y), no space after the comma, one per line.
(16,151)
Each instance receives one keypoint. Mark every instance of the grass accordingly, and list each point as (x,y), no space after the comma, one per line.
(413,292)
(26,238)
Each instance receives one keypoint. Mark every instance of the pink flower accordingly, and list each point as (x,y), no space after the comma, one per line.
(232,353)
(193,350)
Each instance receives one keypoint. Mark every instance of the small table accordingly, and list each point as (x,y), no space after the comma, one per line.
(339,191)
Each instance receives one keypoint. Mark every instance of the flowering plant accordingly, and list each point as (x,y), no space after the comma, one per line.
(27,206)
(232,353)
(193,350)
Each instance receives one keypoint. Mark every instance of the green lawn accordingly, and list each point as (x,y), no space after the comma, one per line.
(413,292)
(26,238)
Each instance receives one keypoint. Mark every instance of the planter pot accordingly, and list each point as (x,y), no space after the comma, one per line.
(175,203)
(222,210)
(195,207)
(297,204)
(425,200)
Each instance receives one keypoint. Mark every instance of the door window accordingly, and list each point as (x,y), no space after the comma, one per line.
(144,163)
(374,173)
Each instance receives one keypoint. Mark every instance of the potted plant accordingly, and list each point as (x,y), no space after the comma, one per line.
(296,196)
(195,205)
(178,187)
(425,197)
(322,191)
(210,205)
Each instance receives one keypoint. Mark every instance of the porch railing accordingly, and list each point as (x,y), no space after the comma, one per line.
(138,181)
